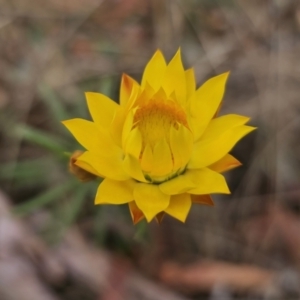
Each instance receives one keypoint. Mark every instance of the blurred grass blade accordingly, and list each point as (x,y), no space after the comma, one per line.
(72,211)
(141,234)
(28,173)
(40,138)
(32,168)
(49,196)
(66,214)
(106,85)
(55,105)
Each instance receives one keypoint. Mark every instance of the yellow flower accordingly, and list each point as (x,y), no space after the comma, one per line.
(163,147)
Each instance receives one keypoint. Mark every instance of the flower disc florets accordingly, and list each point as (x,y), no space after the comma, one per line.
(157,119)
(162,147)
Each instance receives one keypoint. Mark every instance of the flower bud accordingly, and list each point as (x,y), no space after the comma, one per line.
(81,174)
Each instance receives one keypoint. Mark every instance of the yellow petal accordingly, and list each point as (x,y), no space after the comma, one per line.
(150,200)
(179,206)
(218,110)
(209,151)
(93,138)
(160,94)
(85,166)
(117,125)
(147,159)
(178,185)
(219,125)
(208,182)
(135,92)
(86,133)
(203,199)
(203,181)
(108,166)
(190,82)
(181,143)
(127,127)
(136,214)
(132,167)
(162,159)
(133,144)
(146,94)
(206,102)
(174,79)
(127,85)
(102,108)
(226,163)
(155,71)
(115,192)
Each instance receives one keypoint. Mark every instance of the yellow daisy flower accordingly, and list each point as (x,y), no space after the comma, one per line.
(162,147)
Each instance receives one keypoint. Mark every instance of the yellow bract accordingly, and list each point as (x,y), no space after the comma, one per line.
(163,147)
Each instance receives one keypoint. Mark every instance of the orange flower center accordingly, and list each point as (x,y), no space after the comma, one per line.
(155,119)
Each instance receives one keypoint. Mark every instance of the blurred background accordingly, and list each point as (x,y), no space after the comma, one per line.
(55,244)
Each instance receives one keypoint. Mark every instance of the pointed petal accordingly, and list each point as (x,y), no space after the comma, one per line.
(178,185)
(90,136)
(154,71)
(115,192)
(218,110)
(226,163)
(119,118)
(133,144)
(208,182)
(146,94)
(207,101)
(117,124)
(127,127)
(132,167)
(178,152)
(136,214)
(135,92)
(160,94)
(102,108)
(179,206)
(203,181)
(107,166)
(85,166)
(203,199)
(219,125)
(162,159)
(174,79)
(147,159)
(150,200)
(181,143)
(209,151)
(190,82)
(127,85)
